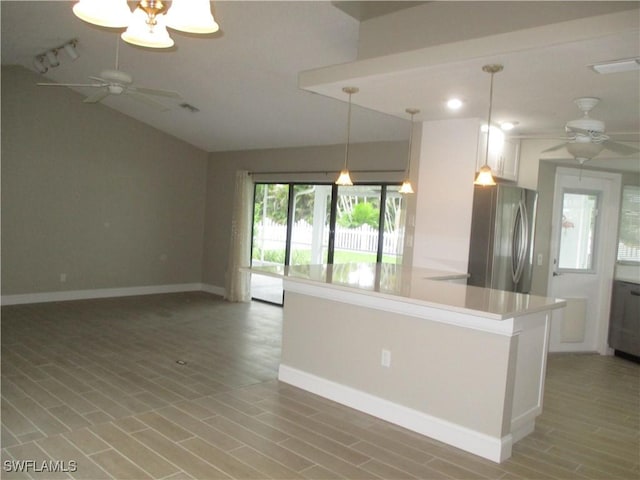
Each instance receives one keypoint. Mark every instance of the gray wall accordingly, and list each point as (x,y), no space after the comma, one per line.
(114,203)
(93,194)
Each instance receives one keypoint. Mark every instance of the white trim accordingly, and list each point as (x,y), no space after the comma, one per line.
(493,448)
(214,289)
(62,296)
(404,306)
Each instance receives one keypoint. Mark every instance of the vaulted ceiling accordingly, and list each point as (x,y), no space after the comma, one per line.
(244,79)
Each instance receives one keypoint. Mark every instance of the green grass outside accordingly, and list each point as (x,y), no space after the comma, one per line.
(303,257)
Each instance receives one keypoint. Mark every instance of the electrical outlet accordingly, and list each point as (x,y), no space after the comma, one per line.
(385,359)
(539,259)
(63,277)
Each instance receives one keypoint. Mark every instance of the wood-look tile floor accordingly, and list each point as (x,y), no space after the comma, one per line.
(96,386)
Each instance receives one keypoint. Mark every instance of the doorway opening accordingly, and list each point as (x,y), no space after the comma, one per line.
(315,223)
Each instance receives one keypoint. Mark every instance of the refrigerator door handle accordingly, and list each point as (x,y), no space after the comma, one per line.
(520,241)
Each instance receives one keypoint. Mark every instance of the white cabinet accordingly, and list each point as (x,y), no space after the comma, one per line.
(504,155)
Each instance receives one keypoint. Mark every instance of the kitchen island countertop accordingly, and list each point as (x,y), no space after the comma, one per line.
(417,286)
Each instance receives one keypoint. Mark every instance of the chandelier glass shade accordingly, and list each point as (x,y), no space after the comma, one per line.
(111,14)
(191,16)
(141,33)
(147,24)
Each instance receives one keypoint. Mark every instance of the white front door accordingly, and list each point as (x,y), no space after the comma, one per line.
(583,251)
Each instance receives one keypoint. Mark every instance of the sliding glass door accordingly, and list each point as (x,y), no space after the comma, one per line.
(298,224)
(269,243)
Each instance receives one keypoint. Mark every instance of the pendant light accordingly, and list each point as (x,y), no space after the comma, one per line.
(345,179)
(406,184)
(485,178)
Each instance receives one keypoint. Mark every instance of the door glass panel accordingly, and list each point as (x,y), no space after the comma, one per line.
(357,223)
(577,232)
(310,229)
(394,213)
(269,238)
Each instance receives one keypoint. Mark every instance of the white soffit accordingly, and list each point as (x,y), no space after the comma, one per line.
(540,64)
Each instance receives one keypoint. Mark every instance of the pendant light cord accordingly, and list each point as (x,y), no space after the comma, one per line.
(492,69)
(346,150)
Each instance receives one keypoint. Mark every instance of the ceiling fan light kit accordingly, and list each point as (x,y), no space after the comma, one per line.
(147,24)
(586,136)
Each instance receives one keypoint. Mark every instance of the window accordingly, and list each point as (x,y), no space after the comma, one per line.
(577,235)
(629,237)
(296,224)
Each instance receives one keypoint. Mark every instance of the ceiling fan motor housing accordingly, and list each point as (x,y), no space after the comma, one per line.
(586,123)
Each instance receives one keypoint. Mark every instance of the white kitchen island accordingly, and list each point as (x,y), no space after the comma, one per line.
(464,365)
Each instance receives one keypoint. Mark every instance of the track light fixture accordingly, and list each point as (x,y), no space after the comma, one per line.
(51,58)
(147,24)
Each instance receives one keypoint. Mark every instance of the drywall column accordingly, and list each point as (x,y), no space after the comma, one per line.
(441,218)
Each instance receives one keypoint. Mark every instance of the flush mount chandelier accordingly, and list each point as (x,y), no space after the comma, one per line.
(146,25)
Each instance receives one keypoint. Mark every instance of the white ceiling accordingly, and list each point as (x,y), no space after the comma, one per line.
(244,79)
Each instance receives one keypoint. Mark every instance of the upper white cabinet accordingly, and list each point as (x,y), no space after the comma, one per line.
(504,154)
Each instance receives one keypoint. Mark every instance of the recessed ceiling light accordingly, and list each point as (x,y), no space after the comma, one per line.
(506,126)
(454,104)
(617,66)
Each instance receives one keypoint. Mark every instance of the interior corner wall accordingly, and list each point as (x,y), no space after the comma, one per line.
(93,199)
(284,165)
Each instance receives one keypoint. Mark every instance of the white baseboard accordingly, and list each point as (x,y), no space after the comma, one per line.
(214,289)
(108,293)
(492,448)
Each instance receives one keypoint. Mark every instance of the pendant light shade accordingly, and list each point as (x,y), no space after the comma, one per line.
(111,13)
(406,184)
(345,179)
(484,177)
(143,33)
(191,16)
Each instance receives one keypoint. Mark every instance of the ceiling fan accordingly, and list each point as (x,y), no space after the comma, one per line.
(586,136)
(117,82)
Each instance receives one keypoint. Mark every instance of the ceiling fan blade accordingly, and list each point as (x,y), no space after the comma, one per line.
(153,91)
(98,79)
(554,148)
(96,97)
(69,84)
(146,100)
(620,148)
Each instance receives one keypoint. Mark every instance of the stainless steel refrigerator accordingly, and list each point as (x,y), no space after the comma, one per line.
(501,245)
